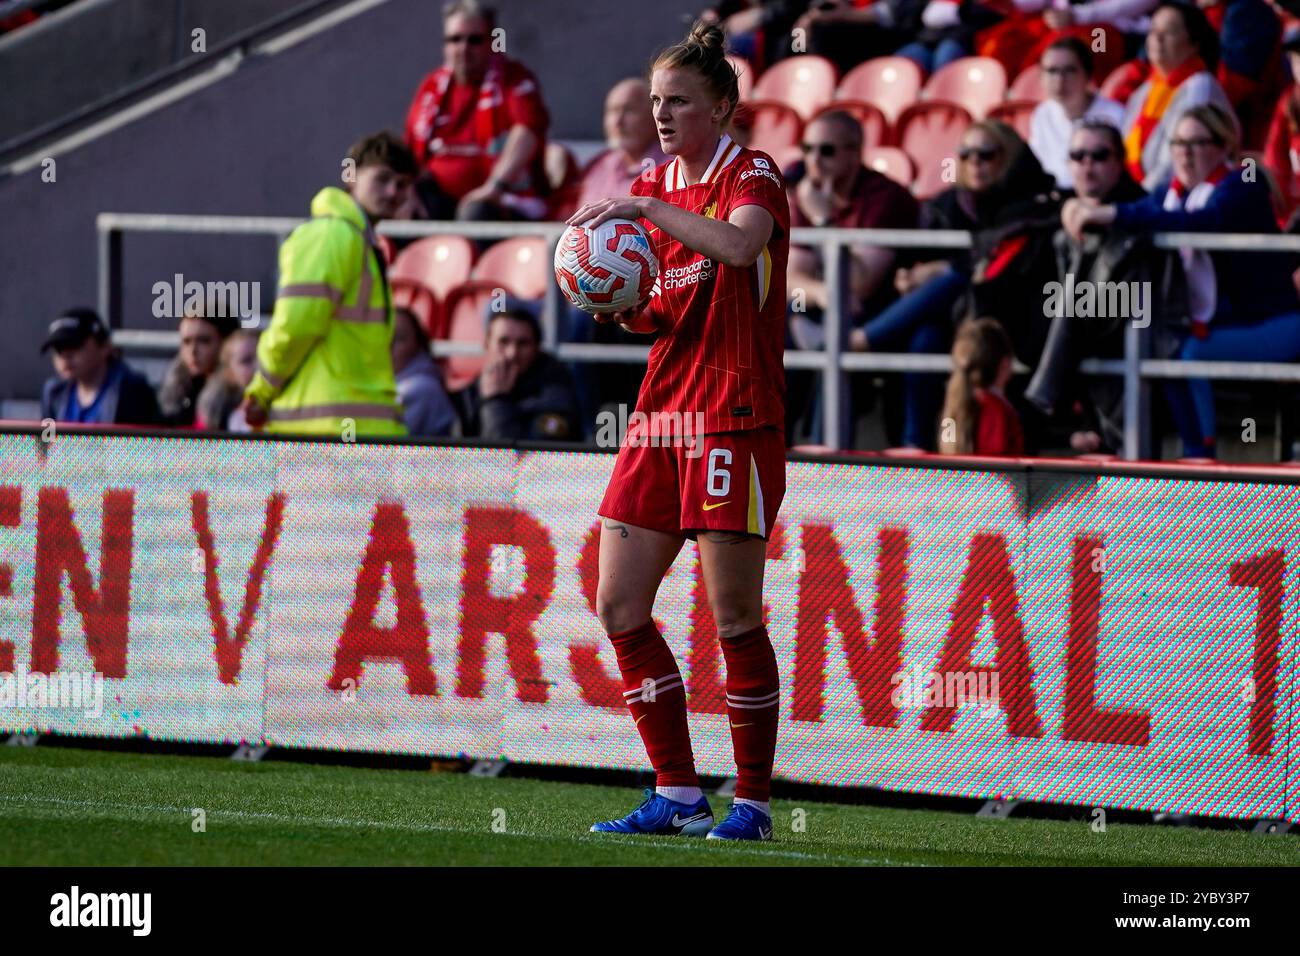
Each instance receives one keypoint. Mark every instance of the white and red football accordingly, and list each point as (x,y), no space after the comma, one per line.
(607,269)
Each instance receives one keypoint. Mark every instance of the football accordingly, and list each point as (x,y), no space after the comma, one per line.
(607,269)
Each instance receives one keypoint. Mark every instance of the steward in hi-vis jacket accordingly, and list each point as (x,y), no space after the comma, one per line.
(325,359)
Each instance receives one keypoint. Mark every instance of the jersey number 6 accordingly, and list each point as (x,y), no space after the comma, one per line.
(719,476)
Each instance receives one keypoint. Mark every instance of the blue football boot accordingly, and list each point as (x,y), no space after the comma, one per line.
(743,823)
(660,816)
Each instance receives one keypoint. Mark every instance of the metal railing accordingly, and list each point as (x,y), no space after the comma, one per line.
(834,362)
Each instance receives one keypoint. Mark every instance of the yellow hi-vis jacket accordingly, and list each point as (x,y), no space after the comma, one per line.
(325,358)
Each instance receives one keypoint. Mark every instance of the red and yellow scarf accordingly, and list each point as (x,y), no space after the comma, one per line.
(1160,94)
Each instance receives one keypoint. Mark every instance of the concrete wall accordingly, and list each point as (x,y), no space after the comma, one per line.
(95,48)
(263,141)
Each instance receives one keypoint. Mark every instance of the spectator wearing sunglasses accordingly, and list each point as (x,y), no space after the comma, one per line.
(1067,71)
(1096,161)
(997,176)
(477,126)
(834,188)
(1242,306)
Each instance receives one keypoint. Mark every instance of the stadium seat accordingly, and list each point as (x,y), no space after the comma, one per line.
(440,263)
(419,298)
(1028,85)
(1016,113)
(891,161)
(522,265)
(775,127)
(744,75)
(804,83)
(890,83)
(975,83)
(1119,81)
(930,133)
(875,125)
(467,307)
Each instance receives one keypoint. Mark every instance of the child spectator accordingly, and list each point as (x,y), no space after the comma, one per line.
(977,418)
(218,404)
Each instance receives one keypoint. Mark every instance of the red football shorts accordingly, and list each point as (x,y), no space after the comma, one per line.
(731,481)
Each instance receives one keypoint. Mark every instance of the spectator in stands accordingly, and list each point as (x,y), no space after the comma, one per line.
(632,143)
(997,175)
(632,150)
(1242,305)
(217,407)
(94,385)
(947,32)
(757,30)
(1184,53)
(1107,27)
(200,352)
(977,419)
(1067,74)
(522,393)
(1096,159)
(427,410)
(1250,61)
(832,187)
(1282,148)
(324,364)
(849,32)
(477,127)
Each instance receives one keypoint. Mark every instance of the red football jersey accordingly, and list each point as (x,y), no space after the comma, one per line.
(722,329)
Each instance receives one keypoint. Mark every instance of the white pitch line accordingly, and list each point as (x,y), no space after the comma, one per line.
(135,810)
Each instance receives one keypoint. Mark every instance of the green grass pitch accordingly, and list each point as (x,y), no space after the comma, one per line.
(75,807)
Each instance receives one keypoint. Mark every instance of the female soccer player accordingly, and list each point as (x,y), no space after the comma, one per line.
(718,217)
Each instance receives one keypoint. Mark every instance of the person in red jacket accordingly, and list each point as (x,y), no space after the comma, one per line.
(977,418)
(1282,147)
(477,126)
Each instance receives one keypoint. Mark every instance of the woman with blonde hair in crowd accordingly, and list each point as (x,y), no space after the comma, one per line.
(977,419)
(217,408)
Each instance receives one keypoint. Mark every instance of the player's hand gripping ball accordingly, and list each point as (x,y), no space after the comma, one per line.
(610,268)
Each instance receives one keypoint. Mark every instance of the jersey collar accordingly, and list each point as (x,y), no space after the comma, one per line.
(723,157)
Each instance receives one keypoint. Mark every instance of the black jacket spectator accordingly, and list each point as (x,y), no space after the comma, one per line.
(542,406)
(127,399)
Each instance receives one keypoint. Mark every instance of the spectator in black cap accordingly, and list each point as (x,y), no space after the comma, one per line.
(196,361)
(94,385)
(522,393)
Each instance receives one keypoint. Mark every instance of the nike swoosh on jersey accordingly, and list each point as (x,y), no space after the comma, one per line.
(709,506)
(750,724)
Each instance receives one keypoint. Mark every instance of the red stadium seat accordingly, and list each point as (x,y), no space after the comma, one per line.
(744,75)
(775,127)
(875,125)
(891,161)
(1124,80)
(1016,113)
(439,263)
(522,265)
(467,307)
(804,83)
(976,83)
(891,83)
(419,298)
(930,133)
(1028,85)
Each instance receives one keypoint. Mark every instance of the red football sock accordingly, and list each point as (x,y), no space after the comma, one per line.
(753,709)
(657,699)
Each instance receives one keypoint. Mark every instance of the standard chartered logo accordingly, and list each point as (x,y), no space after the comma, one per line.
(698,271)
